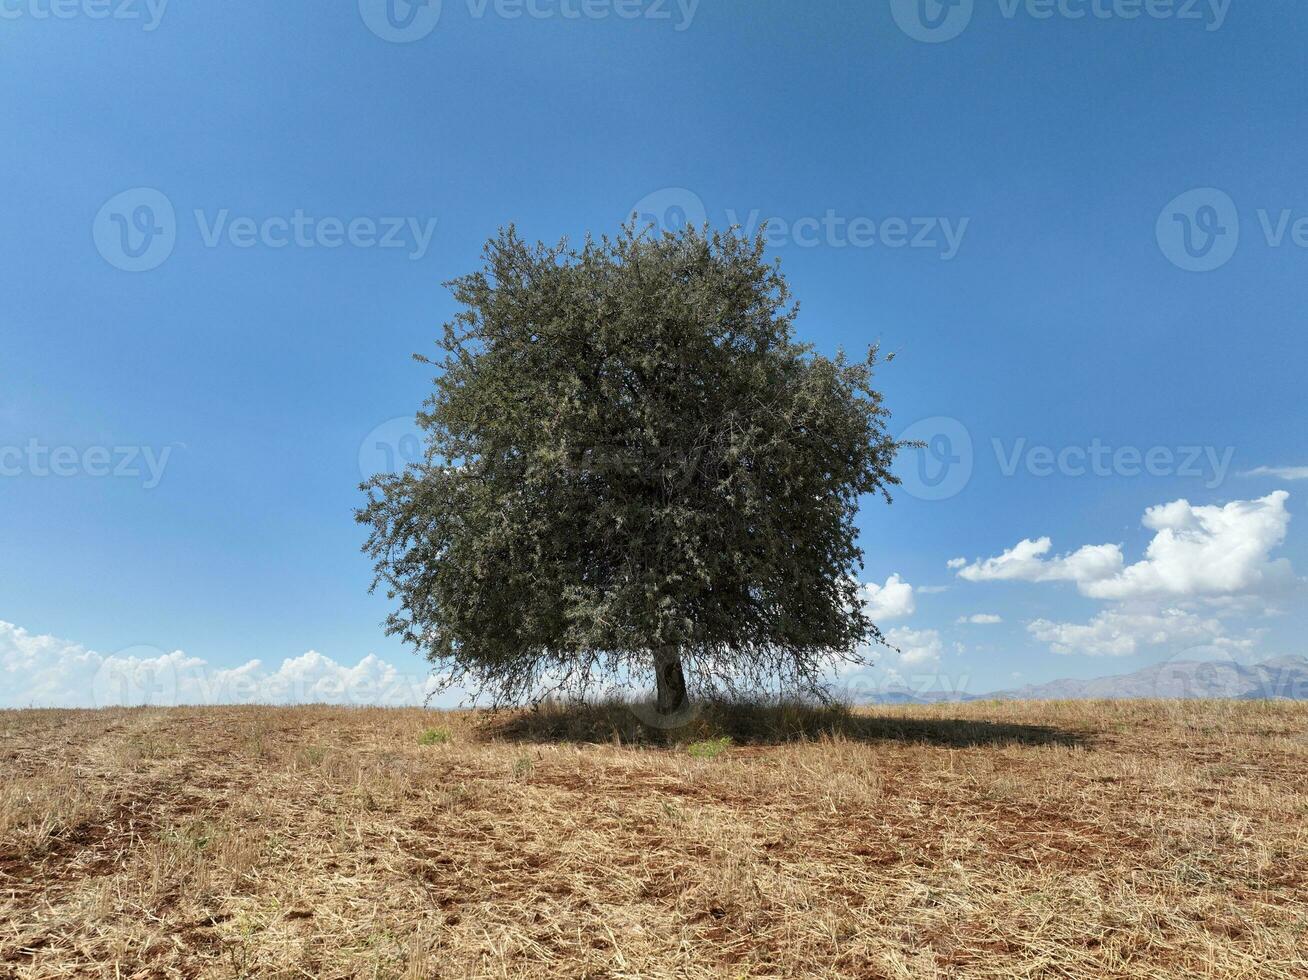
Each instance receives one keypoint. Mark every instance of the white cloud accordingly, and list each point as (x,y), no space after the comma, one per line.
(894,600)
(1217,559)
(40,670)
(44,671)
(980,619)
(1196,551)
(1280,472)
(1206,551)
(1122,632)
(956,563)
(916,647)
(1026,562)
(912,650)
(930,589)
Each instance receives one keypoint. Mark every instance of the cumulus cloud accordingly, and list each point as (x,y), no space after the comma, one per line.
(1122,632)
(980,619)
(894,600)
(1026,562)
(1206,551)
(1213,558)
(44,671)
(41,670)
(1279,472)
(916,647)
(910,658)
(1195,551)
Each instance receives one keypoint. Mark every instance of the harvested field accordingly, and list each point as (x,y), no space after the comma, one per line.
(1135,839)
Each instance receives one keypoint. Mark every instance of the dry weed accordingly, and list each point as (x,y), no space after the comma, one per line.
(988,840)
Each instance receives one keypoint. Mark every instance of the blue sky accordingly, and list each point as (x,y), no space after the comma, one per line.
(227,226)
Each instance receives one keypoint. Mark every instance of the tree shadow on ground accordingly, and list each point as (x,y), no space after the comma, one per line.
(760,724)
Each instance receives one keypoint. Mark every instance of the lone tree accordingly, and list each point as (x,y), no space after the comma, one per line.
(632,466)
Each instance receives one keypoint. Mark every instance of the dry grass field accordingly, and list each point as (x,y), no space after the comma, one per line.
(984,840)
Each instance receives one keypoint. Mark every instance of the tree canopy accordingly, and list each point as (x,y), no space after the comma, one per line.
(632,464)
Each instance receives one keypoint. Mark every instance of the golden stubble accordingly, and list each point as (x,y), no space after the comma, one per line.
(996,840)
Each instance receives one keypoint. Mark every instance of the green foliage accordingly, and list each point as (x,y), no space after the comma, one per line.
(627,451)
(710,748)
(434,736)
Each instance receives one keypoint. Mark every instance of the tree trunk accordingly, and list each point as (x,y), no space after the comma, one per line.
(671,681)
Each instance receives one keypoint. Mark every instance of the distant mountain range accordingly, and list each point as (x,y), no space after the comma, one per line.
(1283,677)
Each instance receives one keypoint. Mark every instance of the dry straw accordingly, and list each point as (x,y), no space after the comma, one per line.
(986,840)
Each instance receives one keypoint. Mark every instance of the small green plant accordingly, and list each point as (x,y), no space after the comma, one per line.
(312,756)
(709,748)
(434,736)
(523,767)
(194,836)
